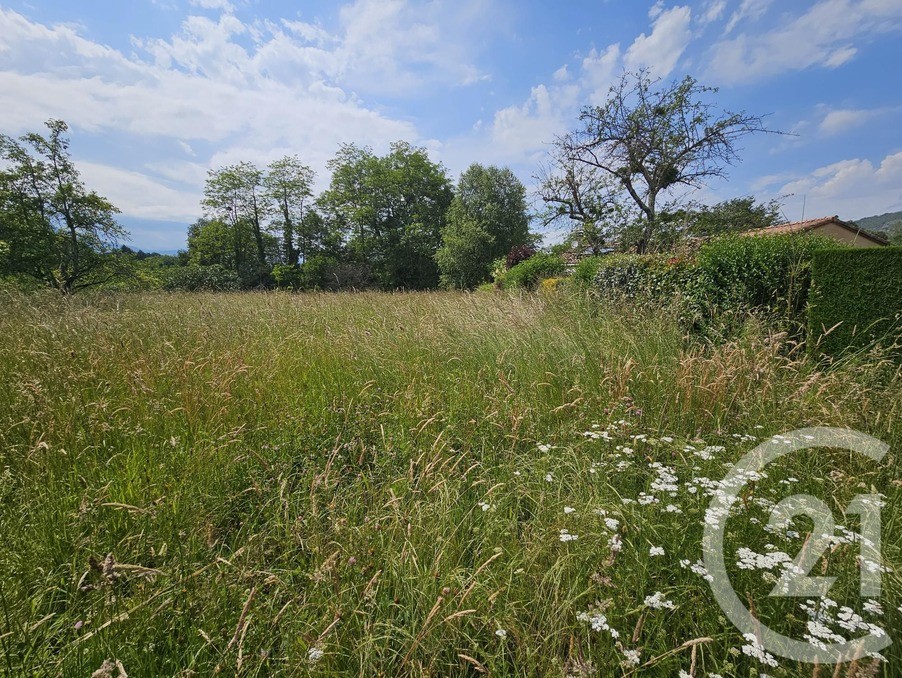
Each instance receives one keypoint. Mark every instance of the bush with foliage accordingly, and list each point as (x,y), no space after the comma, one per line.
(856,298)
(530,272)
(770,274)
(643,277)
(728,279)
(519,253)
(584,272)
(213,278)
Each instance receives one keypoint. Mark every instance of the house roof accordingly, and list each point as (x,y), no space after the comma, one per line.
(811,224)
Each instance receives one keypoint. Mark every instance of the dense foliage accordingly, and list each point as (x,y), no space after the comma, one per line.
(486,219)
(530,272)
(856,298)
(721,284)
(52,228)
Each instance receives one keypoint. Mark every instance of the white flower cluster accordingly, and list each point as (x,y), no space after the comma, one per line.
(565,536)
(314,654)
(665,480)
(749,560)
(698,567)
(657,601)
(656,551)
(632,657)
(756,650)
(598,622)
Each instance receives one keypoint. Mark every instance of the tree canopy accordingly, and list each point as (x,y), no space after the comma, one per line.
(648,139)
(55,230)
(487,217)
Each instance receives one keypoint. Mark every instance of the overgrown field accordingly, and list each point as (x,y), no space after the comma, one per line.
(412,484)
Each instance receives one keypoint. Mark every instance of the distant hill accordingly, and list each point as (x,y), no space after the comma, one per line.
(881,223)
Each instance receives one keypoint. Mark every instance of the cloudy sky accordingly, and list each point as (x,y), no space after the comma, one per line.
(159,91)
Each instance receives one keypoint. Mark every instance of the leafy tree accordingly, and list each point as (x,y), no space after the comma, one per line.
(289,184)
(392,210)
(894,233)
(650,139)
(487,217)
(731,216)
(55,230)
(233,195)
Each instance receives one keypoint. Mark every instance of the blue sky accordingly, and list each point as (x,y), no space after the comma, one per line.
(159,91)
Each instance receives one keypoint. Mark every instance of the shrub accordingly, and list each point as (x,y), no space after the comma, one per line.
(771,274)
(728,280)
(520,253)
(856,298)
(551,285)
(213,278)
(527,274)
(644,277)
(585,271)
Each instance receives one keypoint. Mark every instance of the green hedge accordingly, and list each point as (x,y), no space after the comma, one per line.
(530,272)
(856,298)
(728,279)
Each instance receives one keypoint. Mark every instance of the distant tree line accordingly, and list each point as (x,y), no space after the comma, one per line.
(393,221)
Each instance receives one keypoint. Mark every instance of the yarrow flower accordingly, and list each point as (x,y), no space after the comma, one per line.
(632,657)
(598,622)
(657,601)
(565,536)
(501,633)
(756,650)
(314,654)
(656,551)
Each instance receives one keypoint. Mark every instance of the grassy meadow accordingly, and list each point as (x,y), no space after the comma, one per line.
(434,484)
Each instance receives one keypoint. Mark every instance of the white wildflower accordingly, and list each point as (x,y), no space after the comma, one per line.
(656,551)
(632,657)
(565,536)
(756,650)
(657,601)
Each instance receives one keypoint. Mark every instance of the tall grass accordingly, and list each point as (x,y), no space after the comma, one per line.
(241,482)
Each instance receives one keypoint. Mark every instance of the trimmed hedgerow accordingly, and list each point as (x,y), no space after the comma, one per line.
(728,279)
(856,298)
(738,274)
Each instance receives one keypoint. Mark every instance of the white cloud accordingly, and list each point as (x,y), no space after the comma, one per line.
(713,11)
(839,120)
(852,188)
(281,92)
(822,36)
(146,197)
(599,70)
(222,5)
(662,48)
(749,10)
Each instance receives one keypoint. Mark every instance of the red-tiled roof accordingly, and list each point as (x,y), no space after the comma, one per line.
(811,224)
